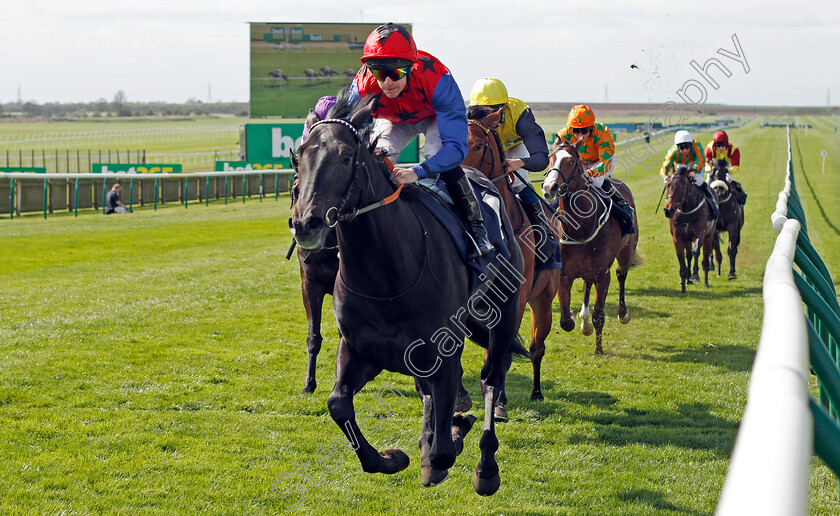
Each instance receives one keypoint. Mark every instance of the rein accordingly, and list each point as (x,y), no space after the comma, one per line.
(353,212)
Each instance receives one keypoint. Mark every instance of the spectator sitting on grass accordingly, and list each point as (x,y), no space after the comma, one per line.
(112,201)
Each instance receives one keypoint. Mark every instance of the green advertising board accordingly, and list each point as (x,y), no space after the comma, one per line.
(31,170)
(273,143)
(242,166)
(136,168)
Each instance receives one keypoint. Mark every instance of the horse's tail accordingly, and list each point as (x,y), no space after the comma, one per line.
(636,259)
(518,349)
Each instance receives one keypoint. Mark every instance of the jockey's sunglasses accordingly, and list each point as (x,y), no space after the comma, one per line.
(394,73)
(684,146)
(720,144)
(581,130)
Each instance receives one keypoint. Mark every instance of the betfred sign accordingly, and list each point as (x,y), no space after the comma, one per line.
(242,166)
(135,168)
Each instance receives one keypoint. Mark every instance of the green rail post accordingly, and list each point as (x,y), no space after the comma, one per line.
(156,193)
(244,176)
(207,191)
(46,188)
(186,192)
(131,195)
(276,186)
(12,199)
(261,186)
(226,188)
(76,198)
(104,193)
(804,244)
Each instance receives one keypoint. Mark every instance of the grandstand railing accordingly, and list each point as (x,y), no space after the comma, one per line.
(782,424)
(202,192)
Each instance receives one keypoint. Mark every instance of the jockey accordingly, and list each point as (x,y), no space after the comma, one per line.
(523,142)
(688,151)
(720,148)
(596,154)
(415,93)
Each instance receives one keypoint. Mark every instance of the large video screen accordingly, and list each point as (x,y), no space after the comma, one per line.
(295,64)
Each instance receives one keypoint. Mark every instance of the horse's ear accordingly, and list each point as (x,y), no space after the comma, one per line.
(361,115)
(493,119)
(312,118)
(578,145)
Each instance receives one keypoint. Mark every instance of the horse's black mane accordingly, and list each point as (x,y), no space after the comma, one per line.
(342,108)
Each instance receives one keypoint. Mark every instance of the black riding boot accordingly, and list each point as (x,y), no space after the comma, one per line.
(535,214)
(465,201)
(714,211)
(626,220)
(740,194)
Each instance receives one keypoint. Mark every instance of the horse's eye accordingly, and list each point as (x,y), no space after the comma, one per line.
(346,160)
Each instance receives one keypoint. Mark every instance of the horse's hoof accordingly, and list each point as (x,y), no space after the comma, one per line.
(393,461)
(732,275)
(486,486)
(308,389)
(537,396)
(694,278)
(568,325)
(463,403)
(500,413)
(430,476)
(587,327)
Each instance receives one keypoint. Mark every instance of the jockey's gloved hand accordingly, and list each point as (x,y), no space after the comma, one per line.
(730,177)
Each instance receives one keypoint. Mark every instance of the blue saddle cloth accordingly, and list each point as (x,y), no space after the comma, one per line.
(432,194)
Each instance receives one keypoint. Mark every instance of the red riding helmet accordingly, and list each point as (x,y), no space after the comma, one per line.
(720,136)
(390,41)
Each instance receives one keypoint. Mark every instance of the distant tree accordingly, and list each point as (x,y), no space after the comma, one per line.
(31,108)
(119,106)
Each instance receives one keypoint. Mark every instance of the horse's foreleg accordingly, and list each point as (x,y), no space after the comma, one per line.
(564,297)
(734,240)
(352,373)
(313,300)
(486,479)
(681,257)
(540,328)
(598,315)
(463,402)
(717,254)
(623,314)
(707,257)
(585,315)
(695,255)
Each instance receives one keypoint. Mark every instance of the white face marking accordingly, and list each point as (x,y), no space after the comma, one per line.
(548,182)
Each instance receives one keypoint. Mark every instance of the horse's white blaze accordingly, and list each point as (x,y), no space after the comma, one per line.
(548,182)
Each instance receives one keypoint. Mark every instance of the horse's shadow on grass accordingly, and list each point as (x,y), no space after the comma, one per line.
(691,426)
(646,498)
(737,358)
(610,309)
(698,290)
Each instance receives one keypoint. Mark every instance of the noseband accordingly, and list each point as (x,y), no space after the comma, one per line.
(563,189)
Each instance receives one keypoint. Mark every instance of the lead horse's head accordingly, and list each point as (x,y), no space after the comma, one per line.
(329,165)
(677,186)
(566,173)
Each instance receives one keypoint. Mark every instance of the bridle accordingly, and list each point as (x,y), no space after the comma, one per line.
(682,198)
(484,158)
(339,215)
(577,172)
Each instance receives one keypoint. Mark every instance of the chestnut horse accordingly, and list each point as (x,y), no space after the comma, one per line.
(402,298)
(730,219)
(686,208)
(590,240)
(485,154)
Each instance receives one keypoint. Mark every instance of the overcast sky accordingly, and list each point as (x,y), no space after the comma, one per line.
(544,50)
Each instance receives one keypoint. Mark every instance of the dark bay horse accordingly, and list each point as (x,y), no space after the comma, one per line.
(590,240)
(485,154)
(402,299)
(318,270)
(731,218)
(688,212)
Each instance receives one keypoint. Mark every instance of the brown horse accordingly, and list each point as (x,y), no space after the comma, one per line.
(590,241)
(731,218)
(485,154)
(318,270)
(686,208)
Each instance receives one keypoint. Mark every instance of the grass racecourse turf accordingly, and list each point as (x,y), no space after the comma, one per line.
(151,364)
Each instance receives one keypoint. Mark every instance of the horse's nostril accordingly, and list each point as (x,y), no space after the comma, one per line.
(313,223)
